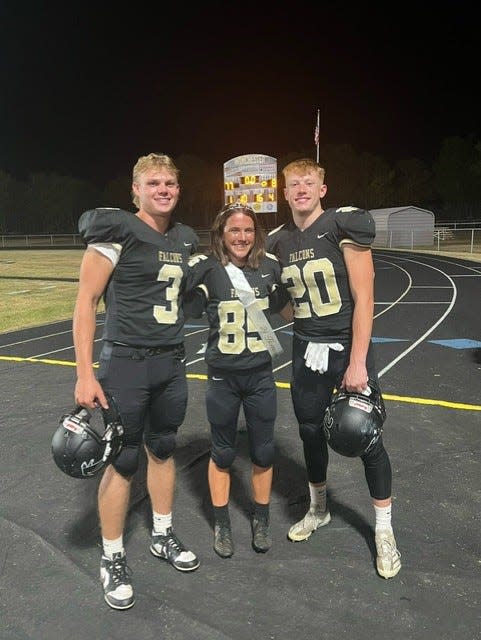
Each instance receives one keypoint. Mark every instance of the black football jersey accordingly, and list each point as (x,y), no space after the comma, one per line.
(314,271)
(233,341)
(143,298)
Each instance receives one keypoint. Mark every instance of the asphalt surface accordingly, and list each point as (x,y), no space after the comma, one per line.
(428,345)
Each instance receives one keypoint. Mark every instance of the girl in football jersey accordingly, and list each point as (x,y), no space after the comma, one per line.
(239,359)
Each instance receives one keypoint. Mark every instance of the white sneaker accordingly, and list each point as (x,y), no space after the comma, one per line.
(313,519)
(116,583)
(170,548)
(388,561)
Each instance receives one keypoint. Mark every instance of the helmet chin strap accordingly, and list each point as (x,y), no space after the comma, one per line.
(114,430)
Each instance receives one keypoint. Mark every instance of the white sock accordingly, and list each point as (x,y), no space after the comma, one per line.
(161,522)
(383,517)
(318,496)
(112,546)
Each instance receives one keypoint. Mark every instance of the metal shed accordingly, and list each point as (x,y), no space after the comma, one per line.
(403,227)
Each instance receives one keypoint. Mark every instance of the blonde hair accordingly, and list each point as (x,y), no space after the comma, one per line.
(303,166)
(217,246)
(148,162)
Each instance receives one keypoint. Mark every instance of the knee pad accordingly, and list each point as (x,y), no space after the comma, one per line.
(162,445)
(127,462)
(264,455)
(224,458)
(311,433)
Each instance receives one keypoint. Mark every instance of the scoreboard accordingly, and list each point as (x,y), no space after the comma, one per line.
(252,180)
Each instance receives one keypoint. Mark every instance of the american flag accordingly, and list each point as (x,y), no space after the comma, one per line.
(316,131)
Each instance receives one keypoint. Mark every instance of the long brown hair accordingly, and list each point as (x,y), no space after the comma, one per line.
(217,245)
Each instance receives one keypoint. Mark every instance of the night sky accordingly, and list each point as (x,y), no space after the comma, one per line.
(86,90)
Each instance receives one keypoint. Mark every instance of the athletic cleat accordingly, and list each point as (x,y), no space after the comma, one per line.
(313,519)
(261,539)
(388,561)
(170,548)
(114,575)
(223,544)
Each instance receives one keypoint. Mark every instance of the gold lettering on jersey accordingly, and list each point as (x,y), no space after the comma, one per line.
(170,256)
(303,254)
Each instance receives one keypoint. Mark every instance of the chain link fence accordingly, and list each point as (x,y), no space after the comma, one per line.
(446,239)
(63,241)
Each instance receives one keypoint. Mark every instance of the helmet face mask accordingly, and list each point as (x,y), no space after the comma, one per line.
(81,449)
(353,422)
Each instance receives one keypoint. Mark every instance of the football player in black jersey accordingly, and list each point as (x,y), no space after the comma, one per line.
(239,362)
(137,263)
(327,267)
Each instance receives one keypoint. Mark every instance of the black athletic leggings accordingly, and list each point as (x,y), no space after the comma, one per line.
(311,393)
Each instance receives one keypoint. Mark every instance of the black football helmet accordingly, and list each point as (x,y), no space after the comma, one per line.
(353,421)
(81,449)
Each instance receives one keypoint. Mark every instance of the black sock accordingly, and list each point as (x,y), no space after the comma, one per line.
(221,514)
(261,511)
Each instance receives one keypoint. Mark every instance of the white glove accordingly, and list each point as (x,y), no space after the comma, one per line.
(317,355)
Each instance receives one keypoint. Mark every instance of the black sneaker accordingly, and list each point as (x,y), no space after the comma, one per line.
(170,548)
(223,544)
(261,539)
(115,578)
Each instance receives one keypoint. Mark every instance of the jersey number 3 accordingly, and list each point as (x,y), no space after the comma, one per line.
(168,313)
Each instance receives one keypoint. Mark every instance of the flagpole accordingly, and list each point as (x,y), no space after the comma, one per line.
(316,134)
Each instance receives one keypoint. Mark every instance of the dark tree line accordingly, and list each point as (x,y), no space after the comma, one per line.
(451,188)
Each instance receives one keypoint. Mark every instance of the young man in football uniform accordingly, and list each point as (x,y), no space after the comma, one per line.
(137,263)
(237,286)
(328,269)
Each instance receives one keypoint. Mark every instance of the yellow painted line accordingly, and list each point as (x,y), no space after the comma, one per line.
(439,403)
(281,385)
(37,360)
(197,376)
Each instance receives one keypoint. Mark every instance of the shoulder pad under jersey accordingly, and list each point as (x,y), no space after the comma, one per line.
(355,225)
(104,225)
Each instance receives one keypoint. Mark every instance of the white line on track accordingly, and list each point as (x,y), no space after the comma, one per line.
(390,305)
(421,339)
